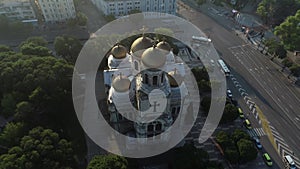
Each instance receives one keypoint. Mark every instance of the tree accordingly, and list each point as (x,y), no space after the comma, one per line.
(275,48)
(41,148)
(224,140)
(109,161)
(230,113)
(8,105)
(81,19)
(32,49)
(200,2)
(189,157)
(232,155)
(295,70)
(109,18)
(67,47)
(247,150)
(289,32)
(287,62)
(4,48)
(275,11)
(35,41)
(12,134)
(239,134)
(205,103)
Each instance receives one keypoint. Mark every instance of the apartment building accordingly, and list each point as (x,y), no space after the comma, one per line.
(123,7)
(56,10)
(17,9)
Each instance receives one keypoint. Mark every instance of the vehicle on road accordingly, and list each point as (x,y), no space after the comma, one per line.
(224,67)
(200,39)
(257,143)
(241,114)
(289,162)
(267,159)
(247,124)
(229,93)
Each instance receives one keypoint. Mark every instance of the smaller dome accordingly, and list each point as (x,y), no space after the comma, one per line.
(121,83)
(119,52)
(153,57)
(175,78)
(164,46)
(140,44)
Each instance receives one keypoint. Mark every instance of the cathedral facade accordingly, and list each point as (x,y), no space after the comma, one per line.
(145,88)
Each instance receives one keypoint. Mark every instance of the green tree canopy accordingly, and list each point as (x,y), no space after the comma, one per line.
(239,134)
(247,150)
(35,41)
(289,32)
(275,48)
(12,134)
(205,103)
(81,19)
(109,161)
(230,113)
(8,105)
(32,49)
(67,47)
(189,157)
(41,148)
(275,11)
(4,48)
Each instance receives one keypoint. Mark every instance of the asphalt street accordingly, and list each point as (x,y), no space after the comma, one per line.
(270,89)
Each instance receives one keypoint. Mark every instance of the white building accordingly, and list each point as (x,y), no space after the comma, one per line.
(123,7)
(56,10)
(17,9)
(139,90)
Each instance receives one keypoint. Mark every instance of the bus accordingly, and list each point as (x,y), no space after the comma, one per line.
(224,67)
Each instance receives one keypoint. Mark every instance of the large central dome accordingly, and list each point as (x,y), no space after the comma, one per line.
(154,57)
(140,44)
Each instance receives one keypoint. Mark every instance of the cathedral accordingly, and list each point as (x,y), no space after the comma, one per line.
(145,88)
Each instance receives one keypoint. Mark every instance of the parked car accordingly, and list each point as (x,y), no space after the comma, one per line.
(247,124)
(257,143)
(229,93)
(241,114)
(267,159)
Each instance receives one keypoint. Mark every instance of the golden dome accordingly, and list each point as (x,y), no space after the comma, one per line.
(164,46)
(119,52)
(140,44)
(175,78)
(153,57)
(121,83)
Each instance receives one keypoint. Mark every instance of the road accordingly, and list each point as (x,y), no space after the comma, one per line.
(268,88)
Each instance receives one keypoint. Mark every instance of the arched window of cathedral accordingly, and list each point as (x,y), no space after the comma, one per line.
(154,81)
(136,65)
(173,111)
(162,79)
(158,127)
(146,78)
(178,110)
(150,127)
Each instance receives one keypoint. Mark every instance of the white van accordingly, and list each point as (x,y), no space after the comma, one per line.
(289,162)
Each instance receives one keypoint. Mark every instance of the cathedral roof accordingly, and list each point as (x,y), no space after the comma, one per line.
(140,44)
(175,78)
(121,83)
(119,52)
(153,57)
(164,46)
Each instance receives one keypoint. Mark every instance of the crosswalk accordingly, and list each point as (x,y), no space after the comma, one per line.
(256,132)
(282,148)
